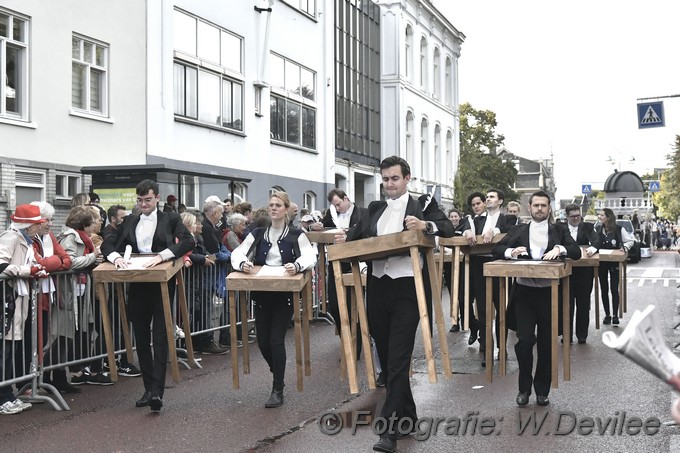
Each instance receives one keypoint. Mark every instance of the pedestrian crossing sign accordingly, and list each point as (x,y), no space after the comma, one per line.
(586,189)
(650,114)
(654,186)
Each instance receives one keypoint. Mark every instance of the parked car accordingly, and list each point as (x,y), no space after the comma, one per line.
(634,252)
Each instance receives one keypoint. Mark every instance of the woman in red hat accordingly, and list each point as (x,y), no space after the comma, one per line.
(17,264)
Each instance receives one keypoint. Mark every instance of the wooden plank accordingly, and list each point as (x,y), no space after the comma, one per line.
(380,246)
(566,321)
(322,237)
(424,318)
(240,281)
(359,310)
(170,331)
(162,272)
(435,282)
(108,335)
(528,268)
(243,308)
(345,332)
(232,333)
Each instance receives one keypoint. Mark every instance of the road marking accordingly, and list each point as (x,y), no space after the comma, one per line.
(651,272)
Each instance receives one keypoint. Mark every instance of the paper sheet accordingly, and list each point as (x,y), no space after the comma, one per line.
(272,271)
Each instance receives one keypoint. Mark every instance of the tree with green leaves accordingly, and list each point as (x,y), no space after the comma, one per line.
(479,169)
(667,198)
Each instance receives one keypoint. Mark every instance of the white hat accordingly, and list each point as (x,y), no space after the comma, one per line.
(307,218)
(214,198)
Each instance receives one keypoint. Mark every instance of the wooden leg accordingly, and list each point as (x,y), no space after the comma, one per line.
(489,323)
(345,334)
(596,285)
(186,323)
(553,324)
(232,335)
(566,321)
(502,306)
(170,330)
(306,317)
(298,341)
(360,310)
(124,324)
(424,319)
(466,294)
(439,316)
(108,336)
(243,308)
(621,293)
(322,276)
(624,288)
(455,283)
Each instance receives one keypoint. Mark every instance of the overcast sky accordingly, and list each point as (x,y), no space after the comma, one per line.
(564,78)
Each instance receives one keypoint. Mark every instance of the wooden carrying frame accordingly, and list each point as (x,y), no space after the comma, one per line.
(322,239)
(552,270)
(460,245)
(161,274)
(379,247)
(240,281)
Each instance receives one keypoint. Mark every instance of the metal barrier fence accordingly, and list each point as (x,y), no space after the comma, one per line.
(63,328)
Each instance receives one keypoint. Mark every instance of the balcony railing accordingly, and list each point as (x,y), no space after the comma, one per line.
(623,206)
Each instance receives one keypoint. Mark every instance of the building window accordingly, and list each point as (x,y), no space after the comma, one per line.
(408,59)
(202,92)
(436,78)
(292,118)
(67,185)
(448,87)
(424,150)
(409,137)
(306,6)
(449,157)
(423,63)
(89,75)
(189,193)
(14,46)
(309,201)
(275,189)
(437,152)
(30,186)
(239,194)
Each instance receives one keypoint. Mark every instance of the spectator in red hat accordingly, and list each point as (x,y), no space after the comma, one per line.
(17,263)
(170,204)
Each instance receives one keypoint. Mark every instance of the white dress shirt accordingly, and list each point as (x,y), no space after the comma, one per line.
(392,221)
(145,231)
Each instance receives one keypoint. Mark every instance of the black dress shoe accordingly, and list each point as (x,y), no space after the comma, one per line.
(144,400)
(454,328)
(581,341)
(381,381)
(473,335)
(484,362)
(386,445)
(275,399)
(155,403)
(522,398)
(607,320)
(542,400)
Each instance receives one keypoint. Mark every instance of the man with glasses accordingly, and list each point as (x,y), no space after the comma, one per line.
(581,280)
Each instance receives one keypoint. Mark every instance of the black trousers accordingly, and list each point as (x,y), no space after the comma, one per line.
(393,319)
(479,291)
(580,287)
(145,312)
(609,272)
(532,308)
(273,311)
(461,295)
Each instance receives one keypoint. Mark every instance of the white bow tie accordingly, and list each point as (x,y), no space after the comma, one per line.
(146,217)
(395,204)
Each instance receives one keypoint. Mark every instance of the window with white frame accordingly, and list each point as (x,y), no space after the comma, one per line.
(292,110)
(67,185)
(424,150)
(239,194)
(14,47)
(190,192)
(309,200)
(423,63)
(30,185)
(447,82)
(89,75)
(408,60)
(436,77)
(409,137)
(437,153)
(275,189)
(208,73)
(306,6)
(449,157)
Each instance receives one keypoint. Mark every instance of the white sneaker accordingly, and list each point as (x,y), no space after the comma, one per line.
(22,405)
(179,333)
(9,408)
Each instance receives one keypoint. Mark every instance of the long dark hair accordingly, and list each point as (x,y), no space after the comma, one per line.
(610,223)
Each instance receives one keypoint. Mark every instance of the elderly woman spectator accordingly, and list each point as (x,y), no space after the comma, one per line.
(17,263)
(75,318)
(236,233)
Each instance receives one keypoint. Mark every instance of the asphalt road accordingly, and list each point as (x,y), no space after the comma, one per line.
(204,413)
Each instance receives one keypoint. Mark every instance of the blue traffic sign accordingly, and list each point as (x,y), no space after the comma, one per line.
(654,186)
(586,188)
(650,114)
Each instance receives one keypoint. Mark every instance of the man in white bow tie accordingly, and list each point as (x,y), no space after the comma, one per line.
(164,234)
(392,306)
(538,240)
